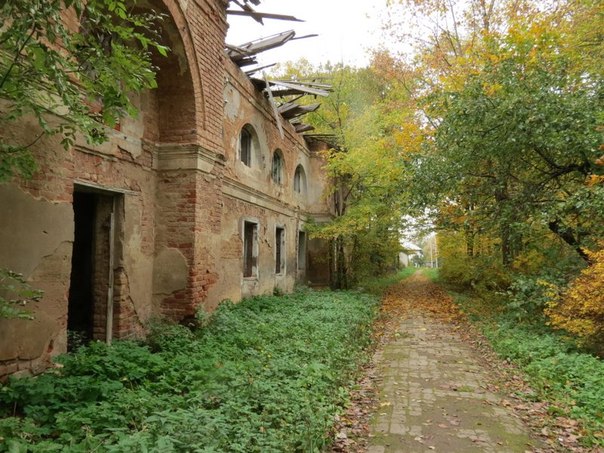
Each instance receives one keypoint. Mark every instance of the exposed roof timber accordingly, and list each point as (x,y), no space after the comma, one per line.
(296,92)
(259,68)
(248,9)
(258,16)
(254,2)
(246,61)
(301,87)
(301,127)
(274,105)
(330,139)
(292,110)
(237,53)
(296,88)
(313,35)
(288,92)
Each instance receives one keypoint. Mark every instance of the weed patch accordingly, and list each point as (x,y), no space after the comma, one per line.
(268,374)
(377,286)
(572,380)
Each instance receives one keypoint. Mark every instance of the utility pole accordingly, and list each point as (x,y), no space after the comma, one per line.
(436,248)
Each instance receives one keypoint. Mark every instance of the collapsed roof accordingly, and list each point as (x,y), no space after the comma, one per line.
(245,55)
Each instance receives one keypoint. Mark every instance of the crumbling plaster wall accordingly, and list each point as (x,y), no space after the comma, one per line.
(182,198)
(37,233)
(251,194)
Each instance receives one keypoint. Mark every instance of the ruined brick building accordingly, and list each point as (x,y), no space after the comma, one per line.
(200,198)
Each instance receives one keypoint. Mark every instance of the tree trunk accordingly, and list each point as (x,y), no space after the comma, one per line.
(341,271)
(567,236)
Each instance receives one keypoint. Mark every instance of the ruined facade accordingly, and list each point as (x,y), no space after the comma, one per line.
(198,199)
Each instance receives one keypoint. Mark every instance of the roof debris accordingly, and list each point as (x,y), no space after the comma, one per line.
(243,54)
(288,90)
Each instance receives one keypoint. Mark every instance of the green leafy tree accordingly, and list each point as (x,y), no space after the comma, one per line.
(368,113)
(519,143)
(71,65)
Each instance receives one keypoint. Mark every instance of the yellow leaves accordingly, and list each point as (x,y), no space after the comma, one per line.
(580,310)
(530,262)
(594,180)
(493,58)
(491,89)
(410,137)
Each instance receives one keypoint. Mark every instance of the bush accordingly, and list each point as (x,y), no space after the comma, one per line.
(528,296)
(580,309)
(571,380)
(481,273)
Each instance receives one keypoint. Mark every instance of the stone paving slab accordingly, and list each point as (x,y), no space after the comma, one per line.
(433,398)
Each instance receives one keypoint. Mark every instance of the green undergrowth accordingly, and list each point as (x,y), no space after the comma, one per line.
(559,372)
(377,286)
(268,374)
(431,273)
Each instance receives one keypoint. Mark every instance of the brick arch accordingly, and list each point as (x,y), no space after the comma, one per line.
(177,104)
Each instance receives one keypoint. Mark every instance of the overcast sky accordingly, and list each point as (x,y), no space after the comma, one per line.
(346,29)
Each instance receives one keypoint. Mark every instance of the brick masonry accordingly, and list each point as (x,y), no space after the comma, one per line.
(180,192)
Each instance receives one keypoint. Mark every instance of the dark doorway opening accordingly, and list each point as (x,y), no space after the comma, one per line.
(89,316)
(81,299)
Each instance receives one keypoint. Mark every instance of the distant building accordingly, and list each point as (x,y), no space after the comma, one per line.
(407,254)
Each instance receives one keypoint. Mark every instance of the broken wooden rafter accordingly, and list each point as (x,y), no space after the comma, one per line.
(245,51)
(259,68)
(293,110)
(248,9)
(302,127)
(274,105)
(258,16)
(301,87)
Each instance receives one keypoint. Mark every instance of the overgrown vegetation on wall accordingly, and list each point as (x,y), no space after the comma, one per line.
(268,374)
(78,60)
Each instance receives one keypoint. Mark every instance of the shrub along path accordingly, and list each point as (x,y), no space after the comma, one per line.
(435,391)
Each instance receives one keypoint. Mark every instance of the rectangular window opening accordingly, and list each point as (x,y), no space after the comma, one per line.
(279,250)
(250,249)
(301,250)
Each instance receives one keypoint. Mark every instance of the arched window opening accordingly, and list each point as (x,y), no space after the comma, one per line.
(300,180)
(277,167)
(247,144)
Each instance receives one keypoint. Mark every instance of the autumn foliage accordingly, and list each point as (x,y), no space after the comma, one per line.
(580,310)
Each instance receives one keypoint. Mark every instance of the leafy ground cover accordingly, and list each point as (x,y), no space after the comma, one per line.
(378,286)
(569,379)
(268,374)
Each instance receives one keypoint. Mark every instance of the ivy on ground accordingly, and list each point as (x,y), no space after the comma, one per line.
(268,374)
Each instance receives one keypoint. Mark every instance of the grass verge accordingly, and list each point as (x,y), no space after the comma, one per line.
(377,286)
(572,381)
(265,375)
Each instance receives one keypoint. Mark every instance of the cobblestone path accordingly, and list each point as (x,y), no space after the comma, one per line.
(432,395)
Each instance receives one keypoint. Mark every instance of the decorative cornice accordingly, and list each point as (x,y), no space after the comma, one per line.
(239,191)
(186,157)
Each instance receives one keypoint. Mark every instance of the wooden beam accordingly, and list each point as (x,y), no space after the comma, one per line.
(263,15)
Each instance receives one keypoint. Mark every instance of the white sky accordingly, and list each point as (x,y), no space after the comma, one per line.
(346,29)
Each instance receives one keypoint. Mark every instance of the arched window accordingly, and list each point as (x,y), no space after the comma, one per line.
(277,167)
(248,141)
(300,180)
